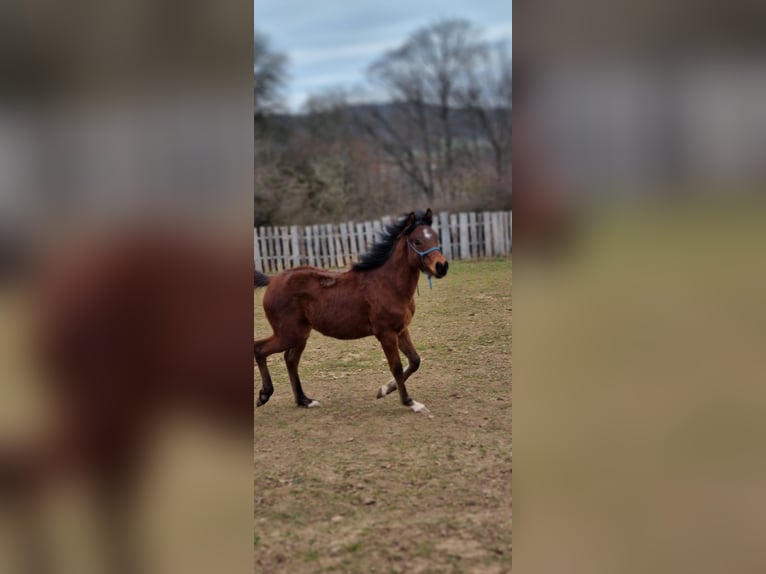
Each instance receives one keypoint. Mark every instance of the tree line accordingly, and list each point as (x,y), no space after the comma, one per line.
(437,134)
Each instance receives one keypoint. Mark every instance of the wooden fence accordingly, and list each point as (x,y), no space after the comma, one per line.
(462,235)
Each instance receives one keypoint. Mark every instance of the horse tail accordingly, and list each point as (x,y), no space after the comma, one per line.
(261,279)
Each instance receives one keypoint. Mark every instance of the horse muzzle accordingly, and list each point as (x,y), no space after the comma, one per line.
(441,269)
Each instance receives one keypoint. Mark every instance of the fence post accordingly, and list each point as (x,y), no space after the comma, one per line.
(256,247)
(313,240)
(339,258)
(473,232)
(295,247)
(465,248)
(309,247)
(455,236)
(344,242)
(488,247)
(444,234)
(506,241)
(360,243)
(369,234)
(277,255)
(330,245)
(497,233)
(507,227)
(268,244)
(510,231)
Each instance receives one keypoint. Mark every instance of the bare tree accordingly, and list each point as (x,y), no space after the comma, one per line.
(269,76)
(423,79)
(441,132)
(328,114)
(487,95)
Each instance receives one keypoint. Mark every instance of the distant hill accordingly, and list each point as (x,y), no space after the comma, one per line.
(355,116)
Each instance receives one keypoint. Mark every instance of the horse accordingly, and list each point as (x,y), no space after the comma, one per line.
(375,297)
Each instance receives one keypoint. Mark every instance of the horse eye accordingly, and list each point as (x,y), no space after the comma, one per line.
(417,242)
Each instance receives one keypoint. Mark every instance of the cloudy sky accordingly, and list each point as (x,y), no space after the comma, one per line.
(330,42)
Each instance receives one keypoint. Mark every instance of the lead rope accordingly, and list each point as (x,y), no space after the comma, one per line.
(430,285)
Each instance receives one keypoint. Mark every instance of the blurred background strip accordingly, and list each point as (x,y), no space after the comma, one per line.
(639,172)
(126,150)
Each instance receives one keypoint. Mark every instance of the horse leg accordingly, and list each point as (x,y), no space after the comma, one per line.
(262,348)
(292,358)
(413,360)
(390,344)
(267,387)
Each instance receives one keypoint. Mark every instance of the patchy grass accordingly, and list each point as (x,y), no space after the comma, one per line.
(366,485)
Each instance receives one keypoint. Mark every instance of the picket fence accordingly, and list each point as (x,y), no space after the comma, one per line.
(462,235)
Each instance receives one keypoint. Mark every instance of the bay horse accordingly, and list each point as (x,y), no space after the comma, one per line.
(373,298)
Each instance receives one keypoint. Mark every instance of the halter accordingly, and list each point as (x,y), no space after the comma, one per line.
(426,252)
(423,254)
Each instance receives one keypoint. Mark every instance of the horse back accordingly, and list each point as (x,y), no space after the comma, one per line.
(333,303)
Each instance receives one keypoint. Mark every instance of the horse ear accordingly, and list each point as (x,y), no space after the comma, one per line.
(411,219)
(429,217)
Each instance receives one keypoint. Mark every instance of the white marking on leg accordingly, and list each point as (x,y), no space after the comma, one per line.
(419,407)
(313,404)
(389,387)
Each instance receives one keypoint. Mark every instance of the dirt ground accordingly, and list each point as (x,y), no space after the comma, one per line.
(366,485)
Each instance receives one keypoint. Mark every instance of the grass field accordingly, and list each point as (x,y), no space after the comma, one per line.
(366,485)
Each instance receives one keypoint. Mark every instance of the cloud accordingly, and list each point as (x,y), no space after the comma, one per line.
(499,31)
(333,42)
(341,52)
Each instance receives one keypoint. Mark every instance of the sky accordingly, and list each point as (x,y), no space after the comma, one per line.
(330,43)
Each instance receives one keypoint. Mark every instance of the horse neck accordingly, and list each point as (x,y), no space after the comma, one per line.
(401,271)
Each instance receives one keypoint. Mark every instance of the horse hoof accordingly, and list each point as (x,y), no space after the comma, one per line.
(389,387)
(308,403)
(419,407)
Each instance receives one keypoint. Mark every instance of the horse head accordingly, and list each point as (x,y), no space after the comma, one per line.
(424,241)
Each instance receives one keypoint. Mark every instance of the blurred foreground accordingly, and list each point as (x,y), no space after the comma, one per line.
(125,269)
(639,312)
(639,407)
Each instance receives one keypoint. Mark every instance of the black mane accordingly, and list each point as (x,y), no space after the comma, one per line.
(382,249)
